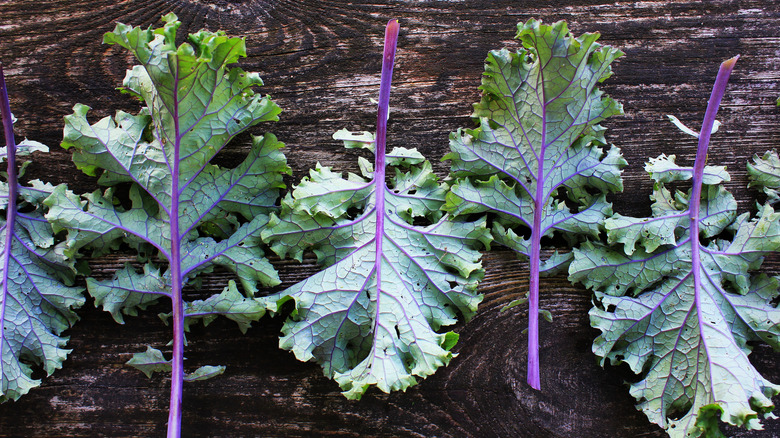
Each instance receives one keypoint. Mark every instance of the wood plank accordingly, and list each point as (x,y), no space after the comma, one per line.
(320,61)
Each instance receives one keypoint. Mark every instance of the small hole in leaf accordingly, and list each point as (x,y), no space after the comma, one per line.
(678,410)
(353,212)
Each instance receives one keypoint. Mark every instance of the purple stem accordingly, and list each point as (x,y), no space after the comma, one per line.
(391,40)
(177,370)
(8,129)
(698,172)
(532,377)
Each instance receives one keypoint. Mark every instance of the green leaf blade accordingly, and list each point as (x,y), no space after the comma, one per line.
(204,373)
(190,88)
(336,308)
(129,291)
(150,361)
(764,172)
(231,304)
(213,103)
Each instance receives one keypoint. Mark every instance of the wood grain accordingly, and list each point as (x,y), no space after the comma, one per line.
(320,61)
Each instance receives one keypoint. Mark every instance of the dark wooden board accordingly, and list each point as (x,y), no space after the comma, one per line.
(320,61)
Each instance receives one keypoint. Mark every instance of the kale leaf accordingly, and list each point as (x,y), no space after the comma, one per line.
(193,214)
(37,297)
(679,304)
(536,160)
(397,269)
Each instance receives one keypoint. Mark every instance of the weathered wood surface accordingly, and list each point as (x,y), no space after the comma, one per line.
(320,61)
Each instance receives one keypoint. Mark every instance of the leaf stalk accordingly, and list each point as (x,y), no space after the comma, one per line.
(391,40)
(177,362)
(533,378)
(718,90)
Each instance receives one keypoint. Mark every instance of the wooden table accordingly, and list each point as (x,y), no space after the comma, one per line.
(320,61)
